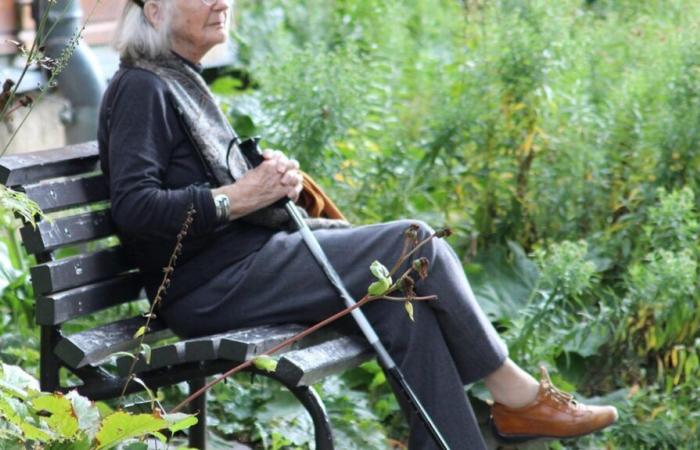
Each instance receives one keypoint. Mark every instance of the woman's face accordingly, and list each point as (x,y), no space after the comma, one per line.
(198,25)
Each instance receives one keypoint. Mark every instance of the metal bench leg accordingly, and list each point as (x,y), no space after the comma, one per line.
(50,364)
(198,433)
(314,405)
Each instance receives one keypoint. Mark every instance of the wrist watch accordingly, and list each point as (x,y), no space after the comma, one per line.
(223,207)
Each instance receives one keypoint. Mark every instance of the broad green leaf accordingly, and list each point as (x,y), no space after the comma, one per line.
(83,443)
(379,287)
(160,436)
(88,414)
(379,270)
(266,363)
(586,340)
(28,430)
(8,274)
(62,420)
(12,436)
(120,426)
(16,381)
(180,421)
(503,280)
(409,310)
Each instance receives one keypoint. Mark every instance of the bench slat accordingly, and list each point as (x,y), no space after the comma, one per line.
(50,235)
(246,341)
(251,342)
(309,365)
(79,270)
(55,309)
(27,168)
(204,349)
(68,193)
(167,355)
(92,346)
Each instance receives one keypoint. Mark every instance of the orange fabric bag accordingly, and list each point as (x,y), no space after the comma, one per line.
(316,202)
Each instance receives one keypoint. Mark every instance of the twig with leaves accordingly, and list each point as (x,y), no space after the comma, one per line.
(141,333)
(378,290)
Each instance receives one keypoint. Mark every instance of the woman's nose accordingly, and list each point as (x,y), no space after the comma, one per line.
(222,5)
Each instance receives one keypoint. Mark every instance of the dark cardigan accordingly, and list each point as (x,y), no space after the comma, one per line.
(154,173)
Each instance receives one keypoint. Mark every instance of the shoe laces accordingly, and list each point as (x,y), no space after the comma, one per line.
(555,393)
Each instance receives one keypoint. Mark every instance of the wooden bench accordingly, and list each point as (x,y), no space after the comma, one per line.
(68,186)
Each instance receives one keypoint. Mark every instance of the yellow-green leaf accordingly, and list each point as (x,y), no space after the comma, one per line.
(120,426)
(28,430)
(409,309)
(180,421)
(140,332)
(62,418)
(379,270)
(265,363)
(379,287)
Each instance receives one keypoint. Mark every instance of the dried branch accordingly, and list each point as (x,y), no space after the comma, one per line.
(165,283)
(363,301)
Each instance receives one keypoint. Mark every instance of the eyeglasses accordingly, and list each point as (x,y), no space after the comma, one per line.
(230,3)
(206,2)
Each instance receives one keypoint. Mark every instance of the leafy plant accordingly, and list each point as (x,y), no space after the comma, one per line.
(53,421)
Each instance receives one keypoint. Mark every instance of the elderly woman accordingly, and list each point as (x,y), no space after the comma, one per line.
(164,146)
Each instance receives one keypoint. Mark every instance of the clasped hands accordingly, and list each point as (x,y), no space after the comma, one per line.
(276,177)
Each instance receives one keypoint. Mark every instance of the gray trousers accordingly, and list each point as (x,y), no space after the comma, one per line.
(450,344)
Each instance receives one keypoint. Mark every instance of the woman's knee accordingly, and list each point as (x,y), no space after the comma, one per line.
(399,329)
(424,230)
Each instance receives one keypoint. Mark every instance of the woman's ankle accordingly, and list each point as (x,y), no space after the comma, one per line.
(512,386)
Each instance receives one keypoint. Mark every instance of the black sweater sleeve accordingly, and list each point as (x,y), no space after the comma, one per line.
(149,195)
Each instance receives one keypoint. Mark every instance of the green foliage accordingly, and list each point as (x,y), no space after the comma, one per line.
(260,411)
(303,124)
(384,281)
(558,139)
(672,223)
(57,421)
(564,267)
(265,363)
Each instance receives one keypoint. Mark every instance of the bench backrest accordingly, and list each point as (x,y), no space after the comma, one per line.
(60,181)
(73,277)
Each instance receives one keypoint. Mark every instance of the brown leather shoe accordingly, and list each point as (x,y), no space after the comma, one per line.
(553,414)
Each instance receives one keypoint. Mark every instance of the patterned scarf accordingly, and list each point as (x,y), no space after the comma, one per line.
(209,130)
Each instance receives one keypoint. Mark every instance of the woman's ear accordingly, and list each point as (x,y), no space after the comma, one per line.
(155,14)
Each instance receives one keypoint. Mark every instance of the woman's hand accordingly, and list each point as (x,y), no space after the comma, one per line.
(289,168)
(276,177)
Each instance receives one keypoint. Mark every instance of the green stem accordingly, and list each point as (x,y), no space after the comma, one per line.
(529,326)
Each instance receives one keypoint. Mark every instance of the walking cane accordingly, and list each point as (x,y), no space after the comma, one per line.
(252,152)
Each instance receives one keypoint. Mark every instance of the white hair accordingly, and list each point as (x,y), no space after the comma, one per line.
(137,38)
